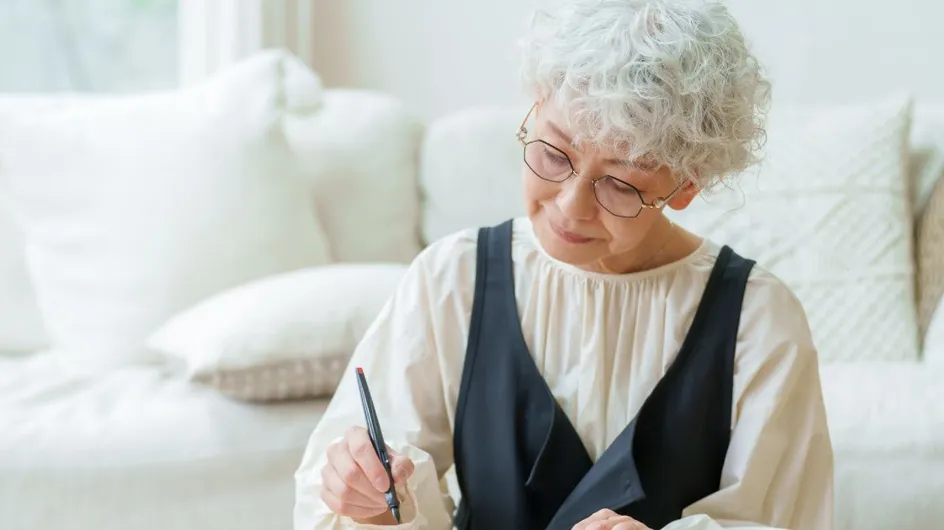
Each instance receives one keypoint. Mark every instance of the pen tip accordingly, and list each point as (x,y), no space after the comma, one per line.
(360,370)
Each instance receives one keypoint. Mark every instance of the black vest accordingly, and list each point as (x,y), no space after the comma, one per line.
(519,461)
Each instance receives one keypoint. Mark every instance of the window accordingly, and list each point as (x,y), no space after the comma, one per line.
(87,45)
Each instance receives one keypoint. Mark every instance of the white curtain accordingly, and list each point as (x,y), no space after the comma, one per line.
(215,33)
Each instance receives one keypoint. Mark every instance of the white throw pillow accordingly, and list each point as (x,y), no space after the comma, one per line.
(21,325)
(289,336)
(135,207)
(828,211)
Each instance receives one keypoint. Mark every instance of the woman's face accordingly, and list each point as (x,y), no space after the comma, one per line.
(572,226)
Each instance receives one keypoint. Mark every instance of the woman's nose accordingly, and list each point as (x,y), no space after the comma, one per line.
(576,199)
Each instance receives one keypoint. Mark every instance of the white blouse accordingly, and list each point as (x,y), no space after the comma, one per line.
(602,342)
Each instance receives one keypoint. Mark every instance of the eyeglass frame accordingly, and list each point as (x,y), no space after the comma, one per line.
(658,203)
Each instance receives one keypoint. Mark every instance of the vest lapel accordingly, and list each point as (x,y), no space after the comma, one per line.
(563,460)
(613,482)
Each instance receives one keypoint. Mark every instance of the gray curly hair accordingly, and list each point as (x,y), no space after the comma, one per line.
(672,80)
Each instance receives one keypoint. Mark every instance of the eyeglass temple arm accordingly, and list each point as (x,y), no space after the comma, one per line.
(659,202)
(522,131)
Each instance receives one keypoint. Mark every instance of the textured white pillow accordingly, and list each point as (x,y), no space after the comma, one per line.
(135,207)
(828,211)
(284,337)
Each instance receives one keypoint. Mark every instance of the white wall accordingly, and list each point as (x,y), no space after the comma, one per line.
(442,55)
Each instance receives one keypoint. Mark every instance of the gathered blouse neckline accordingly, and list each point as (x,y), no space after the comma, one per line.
(704,254)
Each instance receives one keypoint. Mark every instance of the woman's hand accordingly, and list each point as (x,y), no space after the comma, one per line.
(355,481)
(609,520)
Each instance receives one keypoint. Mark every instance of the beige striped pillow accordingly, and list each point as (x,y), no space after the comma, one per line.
(930,251)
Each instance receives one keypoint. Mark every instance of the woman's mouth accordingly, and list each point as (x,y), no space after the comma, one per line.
(569,237)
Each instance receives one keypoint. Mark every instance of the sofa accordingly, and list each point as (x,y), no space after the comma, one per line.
(107,422)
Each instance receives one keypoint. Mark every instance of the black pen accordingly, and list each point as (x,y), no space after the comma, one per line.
(376,438)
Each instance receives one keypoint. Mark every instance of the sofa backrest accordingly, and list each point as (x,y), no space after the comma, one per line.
(384,183)
(470,171)
(361,154)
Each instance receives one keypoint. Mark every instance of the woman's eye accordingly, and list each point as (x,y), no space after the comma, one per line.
(621,187)
(555,158)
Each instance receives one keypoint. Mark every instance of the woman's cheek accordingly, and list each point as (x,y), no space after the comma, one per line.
(536,191)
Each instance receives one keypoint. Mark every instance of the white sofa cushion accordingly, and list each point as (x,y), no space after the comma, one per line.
(138,447)
(135,207)
(21,327)
(886,422)
(287,336)
(360,154)
(471,170)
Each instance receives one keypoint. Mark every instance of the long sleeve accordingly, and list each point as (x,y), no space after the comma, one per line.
(411,356)
(779,467)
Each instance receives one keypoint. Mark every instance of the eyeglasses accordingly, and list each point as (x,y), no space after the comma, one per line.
(553,165)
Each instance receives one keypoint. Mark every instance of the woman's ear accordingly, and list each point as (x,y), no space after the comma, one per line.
(684,196)
(538,105)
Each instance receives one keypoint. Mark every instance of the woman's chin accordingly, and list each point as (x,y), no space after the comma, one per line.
(564,251)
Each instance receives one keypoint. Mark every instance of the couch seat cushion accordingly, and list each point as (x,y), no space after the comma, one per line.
(140,447)
(886,421)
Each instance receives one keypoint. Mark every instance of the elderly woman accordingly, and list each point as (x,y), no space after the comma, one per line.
(594,365)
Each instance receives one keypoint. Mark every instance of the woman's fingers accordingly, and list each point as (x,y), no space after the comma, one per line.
(347,493)
(353,478)
(609,520)
(401,466)
(342,463)
(591,523)
(347,509)
(630,524)
(362,450)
